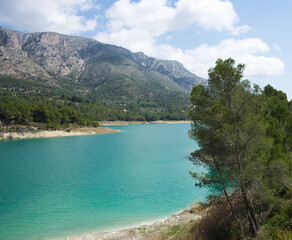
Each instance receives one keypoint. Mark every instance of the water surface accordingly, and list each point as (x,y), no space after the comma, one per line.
(54,187)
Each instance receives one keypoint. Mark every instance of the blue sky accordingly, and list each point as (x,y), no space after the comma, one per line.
(194,32)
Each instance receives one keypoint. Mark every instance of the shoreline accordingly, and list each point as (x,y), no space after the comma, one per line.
(56,133)
(149,230)
(110,123)
(34,133)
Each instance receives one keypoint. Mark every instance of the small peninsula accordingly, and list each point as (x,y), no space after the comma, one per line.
(34,133)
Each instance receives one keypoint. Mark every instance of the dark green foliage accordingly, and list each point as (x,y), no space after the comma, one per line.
(30,109)
(40,114)
(244,136)
(69,115)
(116,103)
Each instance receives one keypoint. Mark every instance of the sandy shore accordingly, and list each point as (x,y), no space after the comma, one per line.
(109,123)
(47,134)
(162,229)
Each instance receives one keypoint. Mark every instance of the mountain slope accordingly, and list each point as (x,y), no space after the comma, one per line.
(173,69)
(109,74)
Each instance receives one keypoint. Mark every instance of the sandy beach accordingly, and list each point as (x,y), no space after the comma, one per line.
(58,133)
(165,228)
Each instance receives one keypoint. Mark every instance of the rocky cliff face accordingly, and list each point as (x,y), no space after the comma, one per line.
(49,56)
(54,53)
(13,60)
(173,69)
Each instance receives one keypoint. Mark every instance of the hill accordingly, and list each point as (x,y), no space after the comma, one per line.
(53,64)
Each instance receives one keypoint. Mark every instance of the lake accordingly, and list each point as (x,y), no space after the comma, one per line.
(56,187)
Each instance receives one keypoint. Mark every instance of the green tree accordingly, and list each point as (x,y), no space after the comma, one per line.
(41,114)
(229,126)
(69,115)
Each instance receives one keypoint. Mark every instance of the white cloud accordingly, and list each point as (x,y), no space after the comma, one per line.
(150,15)
(259,66)
(62,16)
(240,30)
(128,38)
(277,47)
(248,51)
(211,14)
(137,26)
(156,17)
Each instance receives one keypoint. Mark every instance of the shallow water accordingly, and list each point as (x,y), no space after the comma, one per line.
(64,186)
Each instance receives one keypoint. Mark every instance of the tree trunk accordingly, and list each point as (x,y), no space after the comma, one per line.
(253,224)
(233,211)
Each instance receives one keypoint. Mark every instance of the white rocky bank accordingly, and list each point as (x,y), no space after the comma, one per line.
(57,133)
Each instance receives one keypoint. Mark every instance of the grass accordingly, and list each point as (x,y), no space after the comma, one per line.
(179,232)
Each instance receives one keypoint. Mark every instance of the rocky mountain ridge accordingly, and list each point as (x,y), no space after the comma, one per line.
(49,56)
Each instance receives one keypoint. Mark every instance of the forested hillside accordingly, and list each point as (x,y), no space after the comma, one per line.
(27,103)
(49,72)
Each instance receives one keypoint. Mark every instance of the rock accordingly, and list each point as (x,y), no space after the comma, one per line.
(49,56)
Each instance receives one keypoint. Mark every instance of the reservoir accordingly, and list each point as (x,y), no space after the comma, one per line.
(57,187)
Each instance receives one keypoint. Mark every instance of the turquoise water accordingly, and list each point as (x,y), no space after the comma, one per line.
(55,187)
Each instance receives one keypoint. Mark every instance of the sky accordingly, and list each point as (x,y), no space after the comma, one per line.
(194,32)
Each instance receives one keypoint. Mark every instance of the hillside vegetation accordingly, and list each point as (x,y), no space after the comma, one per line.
(27,103)
(99,81)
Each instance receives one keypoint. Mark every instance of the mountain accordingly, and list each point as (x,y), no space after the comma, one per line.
(112,75)
(173,69)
